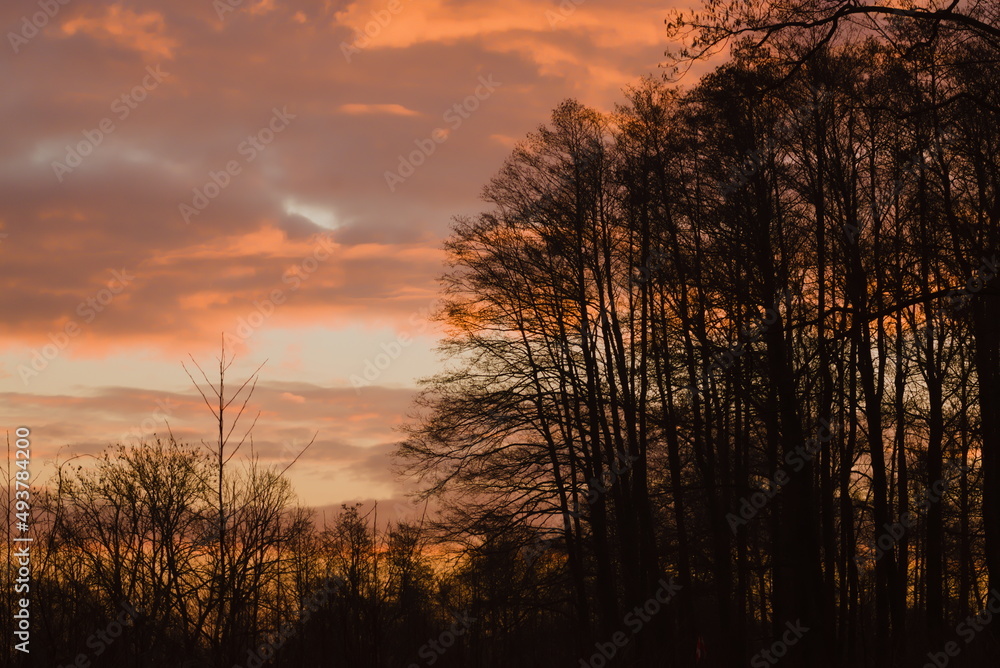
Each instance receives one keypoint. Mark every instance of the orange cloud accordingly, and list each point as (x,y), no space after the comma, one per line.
(145,33)
(323,176)
(391,109)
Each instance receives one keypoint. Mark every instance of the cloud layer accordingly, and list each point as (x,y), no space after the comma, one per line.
(174,171)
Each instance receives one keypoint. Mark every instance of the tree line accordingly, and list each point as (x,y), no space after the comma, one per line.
(772,295)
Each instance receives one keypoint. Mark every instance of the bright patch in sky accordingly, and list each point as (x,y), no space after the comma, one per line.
(316,214)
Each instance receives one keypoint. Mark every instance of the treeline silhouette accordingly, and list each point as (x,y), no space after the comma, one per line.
(723,389)
(745,334)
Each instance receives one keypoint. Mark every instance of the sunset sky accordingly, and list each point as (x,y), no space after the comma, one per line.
(172,171)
